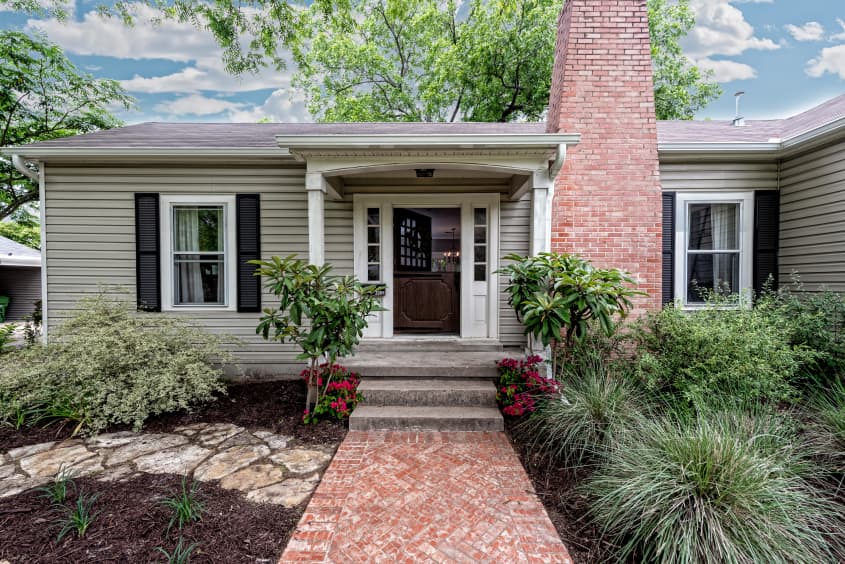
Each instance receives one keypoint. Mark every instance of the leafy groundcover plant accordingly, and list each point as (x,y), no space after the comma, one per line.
(521,385)
(722,486)
(109,364)
(339,393)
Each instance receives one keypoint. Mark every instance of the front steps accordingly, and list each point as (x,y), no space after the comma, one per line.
(431,385)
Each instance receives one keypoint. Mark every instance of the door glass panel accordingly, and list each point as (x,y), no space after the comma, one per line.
(373,244)
(480,272)
(479,216)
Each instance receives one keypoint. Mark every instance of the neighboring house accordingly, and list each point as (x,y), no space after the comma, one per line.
(173,211)
(20,278)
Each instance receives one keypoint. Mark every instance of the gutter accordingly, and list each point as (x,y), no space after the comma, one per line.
(12,260)
(21,167)
(440,141)
(44,152)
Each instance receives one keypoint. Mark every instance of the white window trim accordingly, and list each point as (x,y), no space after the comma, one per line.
(746,239)
(229,254)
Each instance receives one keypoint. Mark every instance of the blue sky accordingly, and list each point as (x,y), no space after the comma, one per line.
(785,54)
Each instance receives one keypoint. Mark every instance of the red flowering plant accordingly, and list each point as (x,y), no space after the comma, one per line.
(339,393)
(520,384)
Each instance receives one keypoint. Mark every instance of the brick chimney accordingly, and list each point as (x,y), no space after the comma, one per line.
(607,204)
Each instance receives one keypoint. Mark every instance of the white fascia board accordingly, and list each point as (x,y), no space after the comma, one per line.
(450,141)
(20,261)
(717,148)
(814,135)
(47,152)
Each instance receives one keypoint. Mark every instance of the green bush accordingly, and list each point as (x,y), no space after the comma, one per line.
(719,487)
(596,404)
(818,322)
(110,365)
(718,354)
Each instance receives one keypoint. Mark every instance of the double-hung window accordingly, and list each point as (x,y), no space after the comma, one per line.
(713,243)
(198,249)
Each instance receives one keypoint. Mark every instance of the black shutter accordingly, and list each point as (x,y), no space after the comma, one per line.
(668,247)
(147,252)
(249,248)
(766,237)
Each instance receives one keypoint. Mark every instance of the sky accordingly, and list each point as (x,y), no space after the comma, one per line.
(786,55)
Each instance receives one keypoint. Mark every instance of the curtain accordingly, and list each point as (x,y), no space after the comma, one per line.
(724,229)
(188,274)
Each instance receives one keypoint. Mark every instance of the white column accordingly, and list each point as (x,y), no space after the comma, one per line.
(541,212)
(315,185)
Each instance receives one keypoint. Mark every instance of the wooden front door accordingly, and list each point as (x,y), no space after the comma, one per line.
(424,301)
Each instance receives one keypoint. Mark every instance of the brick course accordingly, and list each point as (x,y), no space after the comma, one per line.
(607,204)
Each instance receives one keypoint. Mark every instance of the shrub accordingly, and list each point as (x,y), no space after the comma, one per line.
(720,487)
(818,322)
(521,385)
(596,405)
(6,332)
(339,393)
(110,365)
(719,353)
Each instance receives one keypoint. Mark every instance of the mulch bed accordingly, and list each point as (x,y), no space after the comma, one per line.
(132,523)
(556,488)
(272,406)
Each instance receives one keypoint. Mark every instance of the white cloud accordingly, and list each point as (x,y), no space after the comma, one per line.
(197,105)
(279,106)
(830,60)
(839,36)
(721,29)
(726,71)
(810,31)
(170,40)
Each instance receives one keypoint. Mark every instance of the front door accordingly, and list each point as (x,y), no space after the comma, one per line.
(435,282)
(425,297)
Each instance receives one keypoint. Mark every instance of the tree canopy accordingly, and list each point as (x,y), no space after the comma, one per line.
(44,96)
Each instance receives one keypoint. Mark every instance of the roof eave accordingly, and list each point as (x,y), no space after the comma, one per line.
(41,153)
(731,150)
(20,261)
(422,142)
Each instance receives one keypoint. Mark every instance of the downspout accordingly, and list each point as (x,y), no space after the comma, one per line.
(557,164)
(20,166)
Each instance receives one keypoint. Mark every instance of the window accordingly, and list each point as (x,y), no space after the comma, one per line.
(714,236)
(198,252)
(373,245)
(479,244)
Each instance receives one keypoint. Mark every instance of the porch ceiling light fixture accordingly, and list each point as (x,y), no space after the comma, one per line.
(424,172)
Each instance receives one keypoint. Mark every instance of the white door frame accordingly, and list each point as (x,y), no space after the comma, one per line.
(382,323)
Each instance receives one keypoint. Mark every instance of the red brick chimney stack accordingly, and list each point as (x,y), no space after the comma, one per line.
(607,204)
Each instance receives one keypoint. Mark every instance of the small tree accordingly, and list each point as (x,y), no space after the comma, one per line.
(324,315)
(558,294)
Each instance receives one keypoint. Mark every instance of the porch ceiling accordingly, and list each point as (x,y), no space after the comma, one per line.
(444,180)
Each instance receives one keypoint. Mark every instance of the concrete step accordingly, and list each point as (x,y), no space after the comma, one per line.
(428,392)
(429,345)
(402,418)
(429,365)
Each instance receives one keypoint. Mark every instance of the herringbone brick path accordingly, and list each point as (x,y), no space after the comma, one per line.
(411,497)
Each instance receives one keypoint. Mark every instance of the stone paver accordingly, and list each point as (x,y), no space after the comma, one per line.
(410,497)
(263,465)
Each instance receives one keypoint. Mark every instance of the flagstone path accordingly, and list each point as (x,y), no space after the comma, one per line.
(412,497)
(263,465)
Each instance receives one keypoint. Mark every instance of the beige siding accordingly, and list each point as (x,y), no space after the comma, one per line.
(339,238)
(91,234)
(719,176)
(514,237)
(23,286)
(812,230)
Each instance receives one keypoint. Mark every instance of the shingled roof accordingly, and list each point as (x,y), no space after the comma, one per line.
(155,135)
(754,131)
(15,254)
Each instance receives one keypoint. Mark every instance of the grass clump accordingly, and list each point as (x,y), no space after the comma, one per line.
(596,404)
(57,490)
(180,554)
(78,517)
(720,486)
(185,506)
(109,364)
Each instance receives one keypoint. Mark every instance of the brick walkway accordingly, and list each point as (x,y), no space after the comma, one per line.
(411,497)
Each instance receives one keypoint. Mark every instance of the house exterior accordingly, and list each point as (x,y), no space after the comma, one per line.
(173,212)
(20,278)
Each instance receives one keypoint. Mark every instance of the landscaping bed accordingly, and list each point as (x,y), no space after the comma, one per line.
(133,521)
(271,406)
